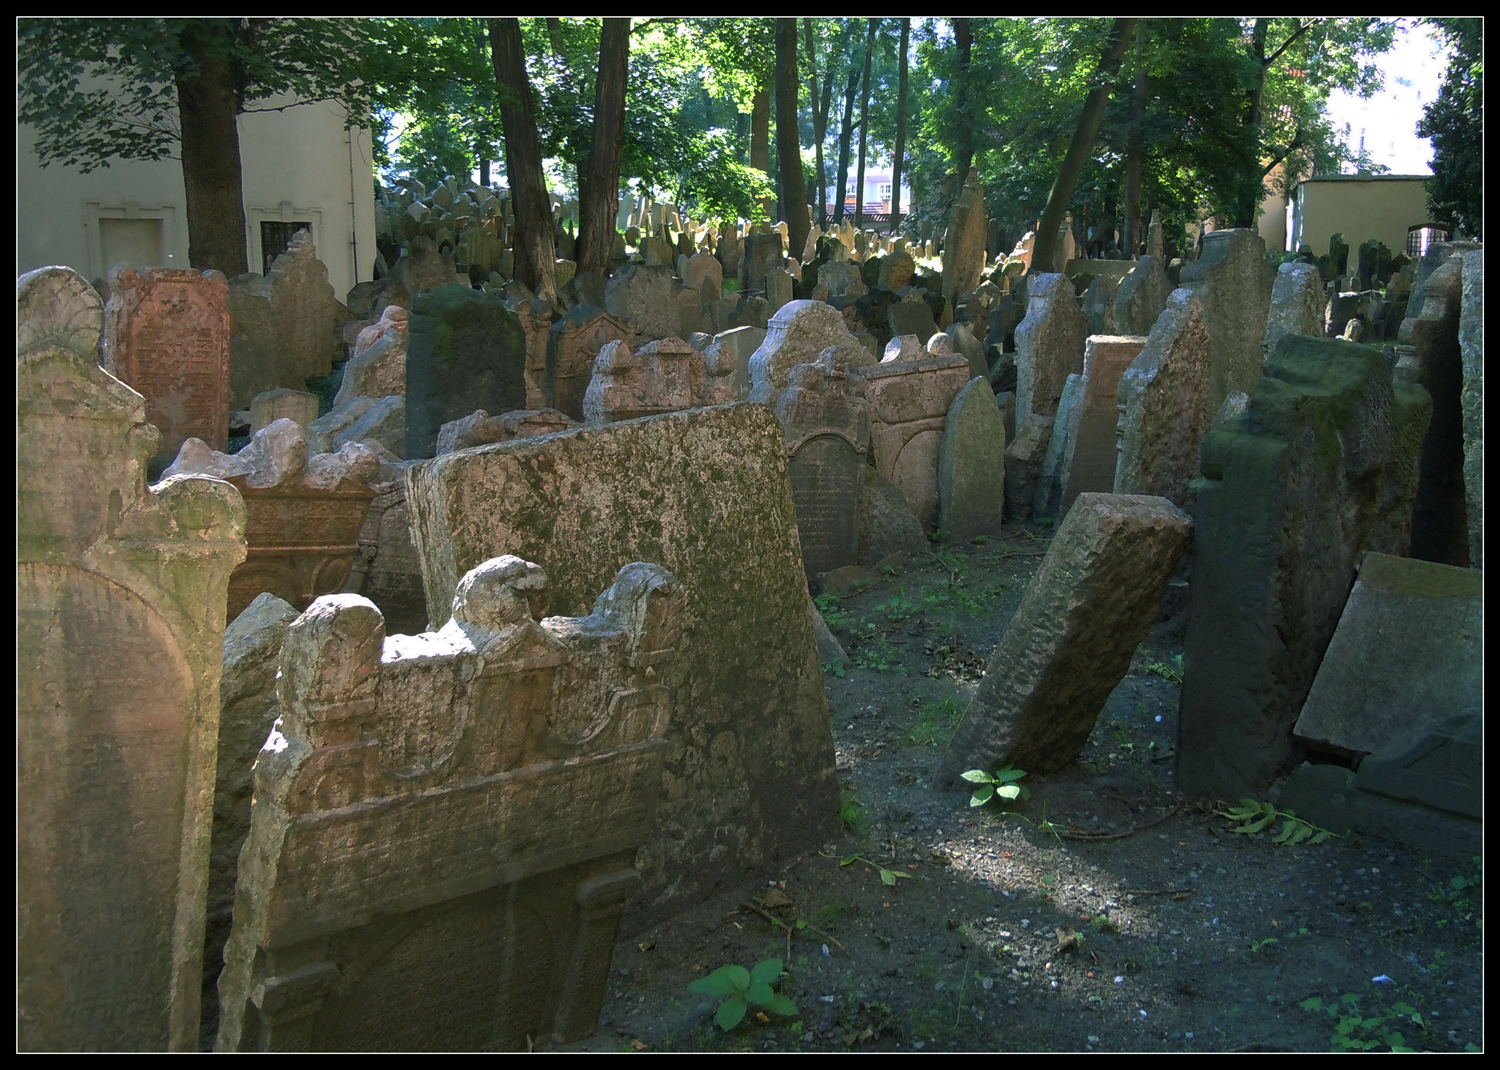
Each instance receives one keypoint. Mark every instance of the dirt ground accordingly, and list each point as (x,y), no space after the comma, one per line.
(1105,912)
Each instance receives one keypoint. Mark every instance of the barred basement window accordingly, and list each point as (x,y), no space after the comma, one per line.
(1420,237)
(275,237)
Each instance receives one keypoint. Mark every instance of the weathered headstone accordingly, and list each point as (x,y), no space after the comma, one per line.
(1024,458)
(796,334)
(296,405)
(1049,344)
(911,317)
(778,289)
(644,299)
(1320,468)
(627,386)
(963,246)
(120,593)
(971,465)
(166,335)
(1142,296)
(465,350)
(1047,498)
(55,306)
(717,511)
(887,524)
(572,344)
(896,271)
(1233,281)
(479,428)
(536,323)
(1164,405)
(365,420)
(377,368)
(453,879)
(701,268)
(909,405)
(1471,350)
(1297,304)
(904,348)
(386,567)
(1093,451)
(740,343)
(1071,640)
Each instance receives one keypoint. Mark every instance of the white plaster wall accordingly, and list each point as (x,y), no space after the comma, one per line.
(297,164)
(1360,209)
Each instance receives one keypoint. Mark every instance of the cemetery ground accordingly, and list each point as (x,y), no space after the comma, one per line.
(1107,911)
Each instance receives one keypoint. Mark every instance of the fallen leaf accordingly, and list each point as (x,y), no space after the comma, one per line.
(773,898)
(1006,854)
(639,1045)
(760,1016)
(912,866)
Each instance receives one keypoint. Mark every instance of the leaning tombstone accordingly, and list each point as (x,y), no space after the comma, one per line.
(1297,304)
(1233,280)
(909,405)
(796,334)
(296,405)
(120,592)
(1071,641)
(1142,296)
(1049,344)
(971,465)
(572,344)
(627,386)
(377,368)
(450,885)
(1047,500)
(166,335)
(1471,349)
(479,428)
(1093,449)
(740,344)
(964,244)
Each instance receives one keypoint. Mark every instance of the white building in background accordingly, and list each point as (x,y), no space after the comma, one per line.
(877,190)
(301,170)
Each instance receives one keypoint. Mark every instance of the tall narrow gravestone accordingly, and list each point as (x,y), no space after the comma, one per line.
(971,465)
(166,335)
(1092,449)
(120,592)
(444,829)
(909,404)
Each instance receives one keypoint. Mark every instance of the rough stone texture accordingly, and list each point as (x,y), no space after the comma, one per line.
(289,324)
(1099,303)
(1142,296)
(644,299)
(740,343)
(1071,640)
(830,651)
(1164,404)
(911,318)
(535,317)
(365,420)
(896,271)
(701,268)
(296,405)
(304,511)
(1093,448)
(796,334)
(887,524)
(763,254)
(1023,464)
(248,710)
(480,428)
(1233,280)
(386,567)
(120,615)
(166,335)
(1471,348)
(442,844)
(378,367)
(572,344)
(465,351)
(964,244)
(658,378)
(839,278)
(778,288)
(965,342)
(904,348)
(909,405)
(1431,357)
(827,441)
(1297,304)
(1049,345)
(55,306)
(426,267)
(1047,499)
(1406,657)
(1321,467)
(971,465)
(704,493)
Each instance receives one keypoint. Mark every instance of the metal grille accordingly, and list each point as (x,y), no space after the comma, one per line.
(274,239)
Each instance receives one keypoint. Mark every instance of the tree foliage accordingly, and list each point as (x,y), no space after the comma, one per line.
(1455,123)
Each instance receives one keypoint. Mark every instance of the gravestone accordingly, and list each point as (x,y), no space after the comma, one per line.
(911,317)
(572,344)
(465,351)
(909,405)
(971,465)
(56,307)
(386,567)
(377,368)
(778,289)
(479,428)
(643,299)
(740,343)
(1405,657)
(1164,405)
(1093,451)
(627,386)
(763,254)
(120,590)
(1319,468)
(296,405)
(701,268)
(1471,349)
(452,880)
(1047,499)
(166,335)
(886,523)
(827,440)
(717,511)
(1049,344)
(896,271)
(903,349)
(1142,296)
(1233,281)
(1297,304)
(1071,640)
(1024,458)
(365,420)
(796,334)
(303,511)
(963,245)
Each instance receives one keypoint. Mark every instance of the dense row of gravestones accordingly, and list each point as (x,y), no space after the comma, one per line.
(306,763)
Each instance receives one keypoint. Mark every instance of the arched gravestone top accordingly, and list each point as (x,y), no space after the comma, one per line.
(55,306)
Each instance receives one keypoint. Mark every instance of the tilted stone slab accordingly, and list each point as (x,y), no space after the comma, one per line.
(626,385)
(377,368)
(1024,458)
(704,493)
(1297,304)
(445,825)
(120,591)
(1093,451)
(480,428)
(909,405)
(1164,404)
(1406,656)
(283,404)
(740,343)
(1049,344)
(1233,280)
(1047,498)
(1070,643)
(971,465)
(1142,296)
(964,244)
(1320,468)
(644,299)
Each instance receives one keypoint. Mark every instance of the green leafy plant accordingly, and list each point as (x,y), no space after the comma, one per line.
(935,723)
(1253,817)
(740,989)
(1354,1032)
(1002,784)
(1122,739)
(834,614)
(1256,946)
(851,813)
(887,876)
(1171,673)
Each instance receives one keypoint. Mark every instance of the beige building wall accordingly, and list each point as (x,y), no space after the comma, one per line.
(299,165)
(1360,208)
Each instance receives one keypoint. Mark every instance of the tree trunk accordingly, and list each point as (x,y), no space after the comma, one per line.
(211,176)
(1132,228)
(846,133)
(600,186)
(900,155)
(1078,151)
(788,144)
(819,118)
(760,136)
(864,127)
(535,244)
(964,154)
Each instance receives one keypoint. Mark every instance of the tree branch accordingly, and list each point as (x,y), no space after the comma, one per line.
(649,22)
(1301,29)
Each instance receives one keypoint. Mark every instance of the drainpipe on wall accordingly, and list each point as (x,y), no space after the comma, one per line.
(353,216)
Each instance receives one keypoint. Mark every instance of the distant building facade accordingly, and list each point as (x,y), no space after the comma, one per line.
(1391,208)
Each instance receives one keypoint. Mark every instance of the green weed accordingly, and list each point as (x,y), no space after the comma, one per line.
(851,813)
(739,989)
(1002,784)
(1254,817)
(1171,673)
(1353,1031)
(935,723)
